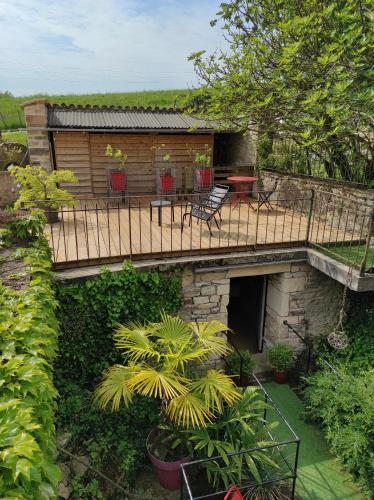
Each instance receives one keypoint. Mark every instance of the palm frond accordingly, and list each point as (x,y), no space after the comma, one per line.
(216,387)
(134,339)
(207,336)
(113,388)
(189,410)
(179,359)
(162,383)
(172,331)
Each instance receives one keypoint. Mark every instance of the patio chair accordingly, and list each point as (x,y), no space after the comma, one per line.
(208,207)
(264,196)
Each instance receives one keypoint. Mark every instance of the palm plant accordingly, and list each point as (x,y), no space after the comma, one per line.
(239,427)
(158,360)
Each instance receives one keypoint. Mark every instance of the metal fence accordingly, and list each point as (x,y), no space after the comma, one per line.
(107,230)
(280,479)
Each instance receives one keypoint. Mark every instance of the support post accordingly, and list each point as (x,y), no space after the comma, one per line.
(311,206)
(367,246)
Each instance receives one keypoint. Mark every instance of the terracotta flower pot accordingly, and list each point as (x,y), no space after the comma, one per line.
(168,473)
(280,377)
(204,177)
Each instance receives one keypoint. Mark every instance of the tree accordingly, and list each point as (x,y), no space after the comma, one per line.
(300,68)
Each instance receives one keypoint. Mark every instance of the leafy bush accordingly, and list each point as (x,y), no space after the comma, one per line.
(28,337)
(89,312)
(281,357)
(235,359)
(343,405)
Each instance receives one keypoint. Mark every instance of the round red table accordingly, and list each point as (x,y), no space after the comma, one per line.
(243,187)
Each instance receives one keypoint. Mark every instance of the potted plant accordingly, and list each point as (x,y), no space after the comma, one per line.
(118,176)
(39,188)
(281,358)
(203,168)
(166,177)
(240,363)
(166,361)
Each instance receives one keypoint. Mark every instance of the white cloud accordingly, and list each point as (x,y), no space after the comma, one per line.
(102,45)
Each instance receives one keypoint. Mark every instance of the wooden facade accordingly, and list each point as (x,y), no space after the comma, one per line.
(84,154)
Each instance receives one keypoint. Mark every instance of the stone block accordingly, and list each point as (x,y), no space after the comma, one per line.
(223,289)
(202,307)
(214,298)
(208,290)
(201,300)
(225,299)
(278,301)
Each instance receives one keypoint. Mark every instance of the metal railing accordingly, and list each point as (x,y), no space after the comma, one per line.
(283,448)
(105,230)
(111,229)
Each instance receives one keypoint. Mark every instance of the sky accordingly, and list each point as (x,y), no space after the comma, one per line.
(89,46)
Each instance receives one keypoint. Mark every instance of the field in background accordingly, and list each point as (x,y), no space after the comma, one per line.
(18,136)
(11,115)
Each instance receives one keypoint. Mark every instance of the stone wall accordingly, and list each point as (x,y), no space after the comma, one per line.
(36,123)
(306,298)
(303,296)
(342,205)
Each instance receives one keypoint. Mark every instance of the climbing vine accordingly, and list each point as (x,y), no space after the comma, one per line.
(28,337)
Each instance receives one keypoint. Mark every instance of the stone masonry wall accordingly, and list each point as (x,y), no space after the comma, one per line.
(340,204)
(36,123)
(303,296)
(306,298)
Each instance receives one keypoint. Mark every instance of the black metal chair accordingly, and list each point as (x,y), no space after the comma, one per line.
(208,207)
(264,196)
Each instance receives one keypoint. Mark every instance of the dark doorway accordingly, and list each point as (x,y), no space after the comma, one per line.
(246,312)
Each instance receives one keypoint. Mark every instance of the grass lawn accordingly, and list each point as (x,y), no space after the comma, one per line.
(351,254)
(320,476)
(13,114)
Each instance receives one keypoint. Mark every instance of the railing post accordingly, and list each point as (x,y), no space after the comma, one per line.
(367,246)
(311,206)
(257,217)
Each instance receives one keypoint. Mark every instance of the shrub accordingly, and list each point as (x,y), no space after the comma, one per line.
(343,405)
(240,359)
(281,357)
(28,336)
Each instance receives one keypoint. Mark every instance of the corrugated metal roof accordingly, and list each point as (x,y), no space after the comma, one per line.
(95,117)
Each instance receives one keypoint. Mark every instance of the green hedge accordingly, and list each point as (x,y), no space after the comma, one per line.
(344,406)
(88,313)
(28,336)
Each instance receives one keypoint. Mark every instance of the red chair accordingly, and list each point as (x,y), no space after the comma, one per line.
(233,493)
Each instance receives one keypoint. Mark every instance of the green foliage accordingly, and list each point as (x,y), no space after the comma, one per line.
(89,312)
(203,159)
(343,405)
(303,69)
(158,358)
(117,154)
(38,184)
(238,428)
(240,359)
(281,357)
(112,440)
(28,339)
(25,226)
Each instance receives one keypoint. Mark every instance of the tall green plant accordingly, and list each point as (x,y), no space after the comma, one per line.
(28,338)
(158,357)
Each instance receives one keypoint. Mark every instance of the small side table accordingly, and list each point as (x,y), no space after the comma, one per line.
(241,184)
(159,204)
